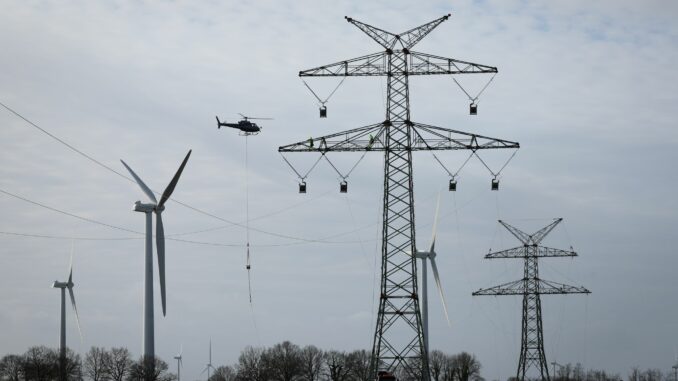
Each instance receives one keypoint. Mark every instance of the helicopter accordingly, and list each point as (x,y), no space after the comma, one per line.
(245,126)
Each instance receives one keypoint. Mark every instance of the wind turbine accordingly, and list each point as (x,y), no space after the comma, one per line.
(62,331)
(209,364)
(179,363)
(157,208)
(431,256)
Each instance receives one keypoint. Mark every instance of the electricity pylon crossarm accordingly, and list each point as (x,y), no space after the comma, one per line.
(531,286)
(519,252)
(535,238)
(398,345)
(376,64)
(518,287)
(407,39)
(373,138)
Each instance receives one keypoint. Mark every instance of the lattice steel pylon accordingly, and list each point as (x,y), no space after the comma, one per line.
(531,287)
(398,346)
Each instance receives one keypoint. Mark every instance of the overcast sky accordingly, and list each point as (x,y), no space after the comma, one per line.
(587,88)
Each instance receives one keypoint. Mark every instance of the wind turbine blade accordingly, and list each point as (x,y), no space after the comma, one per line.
(181,349)
(170,188)
(144,187)
(70,270)
(436,276)
(210,364)
(160,245)
(435,226)
(204,370)
(75,309)
(70,266)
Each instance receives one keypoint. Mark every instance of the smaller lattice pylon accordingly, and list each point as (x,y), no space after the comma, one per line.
(531,287)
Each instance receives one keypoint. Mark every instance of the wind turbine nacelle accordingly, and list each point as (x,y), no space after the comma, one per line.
(425,254)
(58,284)
(141,207)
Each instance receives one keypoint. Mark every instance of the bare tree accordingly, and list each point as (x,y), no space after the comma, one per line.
(224,373)
(11,368)
(650,375)
(467,367)
(141,371)
(335,366)
(578,372)
(250,365)
(634,374)
(284,361)
(311,359)
(117,364)
(73,366)
(40,364)
(95,364)
(436,364)
(359,365)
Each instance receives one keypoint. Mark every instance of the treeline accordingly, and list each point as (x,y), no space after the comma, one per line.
(460,367)
(282,362)
(42,364)
(289,362)
(577,372)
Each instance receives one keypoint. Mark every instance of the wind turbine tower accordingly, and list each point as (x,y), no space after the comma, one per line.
(179,363)
(430,255)
(157,208)
(63,286)
(209,364)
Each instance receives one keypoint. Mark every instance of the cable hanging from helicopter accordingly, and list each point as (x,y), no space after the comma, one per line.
(246,128)
(473,107)
(323,108)
(248,265)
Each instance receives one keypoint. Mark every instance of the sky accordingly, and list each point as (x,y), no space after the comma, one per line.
(587,88)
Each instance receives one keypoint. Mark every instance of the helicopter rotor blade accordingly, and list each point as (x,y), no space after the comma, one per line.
(253,117)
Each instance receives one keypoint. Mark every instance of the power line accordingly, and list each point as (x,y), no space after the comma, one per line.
(96,222)
(47,236)
(260,217)
(72,148)
(69,214)
(108,168)
(323,240)
(64,237)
